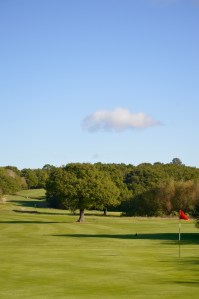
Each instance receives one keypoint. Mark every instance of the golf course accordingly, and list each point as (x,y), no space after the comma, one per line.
(46,254)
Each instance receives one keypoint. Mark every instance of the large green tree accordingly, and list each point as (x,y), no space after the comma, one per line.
(80,186)
(117,174)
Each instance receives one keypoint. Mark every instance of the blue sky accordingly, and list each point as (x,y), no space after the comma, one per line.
(115,81)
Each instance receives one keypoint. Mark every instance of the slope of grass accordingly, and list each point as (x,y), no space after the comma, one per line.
(48,255)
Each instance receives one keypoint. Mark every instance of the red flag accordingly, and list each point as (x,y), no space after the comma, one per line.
(183,216)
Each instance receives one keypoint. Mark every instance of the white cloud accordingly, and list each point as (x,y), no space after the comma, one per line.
(118,120)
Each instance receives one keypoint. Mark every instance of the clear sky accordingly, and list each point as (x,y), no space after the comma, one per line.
(111,81)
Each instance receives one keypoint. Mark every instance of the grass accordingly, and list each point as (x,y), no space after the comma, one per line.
(47,255)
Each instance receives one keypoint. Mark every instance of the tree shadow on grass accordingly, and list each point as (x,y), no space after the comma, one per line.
(186,282)
(40,197)
(43,213)
(29,203)
(186,238)
(31,222)
(36,204)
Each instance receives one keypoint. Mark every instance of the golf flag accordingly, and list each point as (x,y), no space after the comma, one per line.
(183,216)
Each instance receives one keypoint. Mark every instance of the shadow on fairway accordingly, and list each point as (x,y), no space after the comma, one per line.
(29,198)
(170,237)
(195,283)
(31,222)
(29,203)
(41,213)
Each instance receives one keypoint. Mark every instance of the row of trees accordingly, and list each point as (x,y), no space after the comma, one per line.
(166,198)
(162,189)
(146,189)
(143,190)
(12,179)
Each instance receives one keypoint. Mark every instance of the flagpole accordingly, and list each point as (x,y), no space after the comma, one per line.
(184,217)
(179,239)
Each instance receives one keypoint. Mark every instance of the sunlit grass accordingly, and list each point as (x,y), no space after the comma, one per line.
(47,255)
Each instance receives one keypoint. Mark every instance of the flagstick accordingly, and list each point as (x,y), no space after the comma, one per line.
(179,236)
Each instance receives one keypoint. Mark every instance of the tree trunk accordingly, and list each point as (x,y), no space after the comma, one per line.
(105,212)
(81,216)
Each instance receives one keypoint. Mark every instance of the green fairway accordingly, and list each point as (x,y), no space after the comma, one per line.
(45,254)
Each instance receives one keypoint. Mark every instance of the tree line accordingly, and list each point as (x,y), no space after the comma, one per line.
(12,179)
(145,190)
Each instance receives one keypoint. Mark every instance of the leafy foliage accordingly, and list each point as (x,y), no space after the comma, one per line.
(35,178)
(81,186)
(10,182)
(146,189)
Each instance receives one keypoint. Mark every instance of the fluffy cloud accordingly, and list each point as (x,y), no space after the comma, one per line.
(119,119)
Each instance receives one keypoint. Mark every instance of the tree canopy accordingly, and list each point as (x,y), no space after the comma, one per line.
(10,181)
(81,186)
(146,189)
